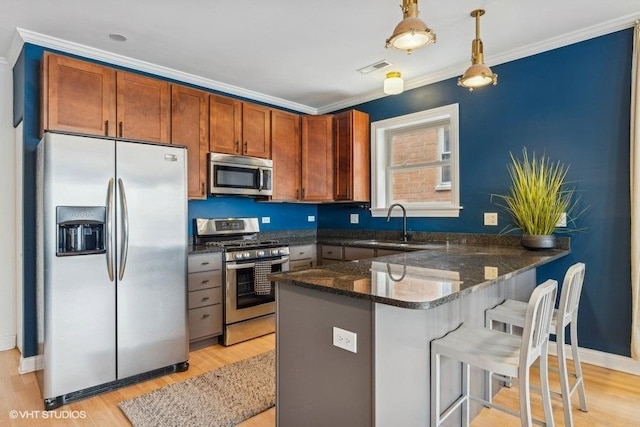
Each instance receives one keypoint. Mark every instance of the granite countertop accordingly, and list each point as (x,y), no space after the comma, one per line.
(424,278)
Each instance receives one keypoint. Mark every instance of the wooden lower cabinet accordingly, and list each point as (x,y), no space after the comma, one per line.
(205,296)
(317,158)
(190,127)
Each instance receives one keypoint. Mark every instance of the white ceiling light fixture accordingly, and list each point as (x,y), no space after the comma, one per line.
(118,37)
(478,74)
(411,33)
(393,84)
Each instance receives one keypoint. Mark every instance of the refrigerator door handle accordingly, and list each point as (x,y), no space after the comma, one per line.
(108,241)
(125,229)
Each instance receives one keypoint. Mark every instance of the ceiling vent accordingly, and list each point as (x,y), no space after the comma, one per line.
(375,66)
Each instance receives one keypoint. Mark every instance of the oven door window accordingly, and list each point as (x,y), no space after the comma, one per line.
(251,289)
(236,177)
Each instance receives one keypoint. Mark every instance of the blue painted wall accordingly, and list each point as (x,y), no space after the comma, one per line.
(577,113)
(284,216)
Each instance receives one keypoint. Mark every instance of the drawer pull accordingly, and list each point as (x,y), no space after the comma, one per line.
(204,316)
(205,281)
(205,299)
(205,263)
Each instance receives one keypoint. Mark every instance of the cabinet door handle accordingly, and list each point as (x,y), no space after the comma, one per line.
(237,146)
(204,316)
(202,190)
(302,197)
(106,128)
(120,124)
(245,147)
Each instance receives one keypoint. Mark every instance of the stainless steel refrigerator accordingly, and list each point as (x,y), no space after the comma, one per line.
(112,261)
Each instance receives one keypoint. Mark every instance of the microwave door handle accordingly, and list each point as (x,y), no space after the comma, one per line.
(261,182)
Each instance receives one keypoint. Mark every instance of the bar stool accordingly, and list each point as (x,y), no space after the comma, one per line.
(504,354)
(512,313)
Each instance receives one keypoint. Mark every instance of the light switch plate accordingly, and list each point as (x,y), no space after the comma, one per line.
(311,218)
(266,219)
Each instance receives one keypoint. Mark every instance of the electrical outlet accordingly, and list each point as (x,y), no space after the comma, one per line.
(266,220)
(354,218)
(490,218)
(562,222)
(311,218)
(490,272)
(345,340)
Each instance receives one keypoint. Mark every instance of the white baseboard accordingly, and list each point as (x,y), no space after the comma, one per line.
(601,359)
(30,364)
(7,342)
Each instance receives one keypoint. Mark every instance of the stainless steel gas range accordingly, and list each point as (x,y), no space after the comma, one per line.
(249,300)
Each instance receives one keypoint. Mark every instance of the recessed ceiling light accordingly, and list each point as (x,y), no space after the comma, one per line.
(118,37)
(376,66)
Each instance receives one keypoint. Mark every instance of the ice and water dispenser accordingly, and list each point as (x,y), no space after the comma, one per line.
(80,230)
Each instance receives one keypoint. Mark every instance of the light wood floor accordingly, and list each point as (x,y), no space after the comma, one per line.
(613,397)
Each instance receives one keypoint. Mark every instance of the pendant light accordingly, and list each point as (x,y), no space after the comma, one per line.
(393,84)
(411,33)
(478,74)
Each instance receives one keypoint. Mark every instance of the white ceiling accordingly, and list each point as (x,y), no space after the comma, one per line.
(300,54)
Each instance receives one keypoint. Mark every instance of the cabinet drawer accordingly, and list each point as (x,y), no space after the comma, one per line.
(205,321)
(205,262)
(299,264)
(302,252)
(205,297)
(331,252)
(351,254)
(204,280)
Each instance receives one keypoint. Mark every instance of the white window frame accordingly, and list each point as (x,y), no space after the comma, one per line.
(379,153)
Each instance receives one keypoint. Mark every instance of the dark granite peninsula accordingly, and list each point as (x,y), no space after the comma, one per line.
(395,305)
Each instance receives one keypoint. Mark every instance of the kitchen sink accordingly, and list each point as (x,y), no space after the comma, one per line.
(400,243)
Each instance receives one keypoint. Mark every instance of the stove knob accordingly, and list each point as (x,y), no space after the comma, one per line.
(246,255)
(238,255)
(274,252)
(260,253)
(283,251)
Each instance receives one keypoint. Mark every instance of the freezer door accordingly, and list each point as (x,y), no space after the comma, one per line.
(76,298)
(151,264)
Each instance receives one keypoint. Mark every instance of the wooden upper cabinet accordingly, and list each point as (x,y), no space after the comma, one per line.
(352,159)
(225,125)
(77,96)
(285,153)
(190,127)
(317,158)
(83,97)
(142,107)
(256,130)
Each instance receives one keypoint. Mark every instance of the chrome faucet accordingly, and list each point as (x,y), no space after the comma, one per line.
(405,236)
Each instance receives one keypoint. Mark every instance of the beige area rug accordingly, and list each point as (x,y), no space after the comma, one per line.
(222,397)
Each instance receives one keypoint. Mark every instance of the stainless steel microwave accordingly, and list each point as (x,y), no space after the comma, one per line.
(240,175)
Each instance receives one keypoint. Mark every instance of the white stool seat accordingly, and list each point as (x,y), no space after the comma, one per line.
(512,313)
(505,354)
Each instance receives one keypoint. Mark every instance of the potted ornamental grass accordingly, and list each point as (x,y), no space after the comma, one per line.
(538,198)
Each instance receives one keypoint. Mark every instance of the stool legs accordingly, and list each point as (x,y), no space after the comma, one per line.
(577,365)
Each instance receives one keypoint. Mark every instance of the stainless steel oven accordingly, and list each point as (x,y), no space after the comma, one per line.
(249,308)
(249,296)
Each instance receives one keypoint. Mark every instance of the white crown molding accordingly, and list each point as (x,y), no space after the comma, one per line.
(512,55)
(44,40)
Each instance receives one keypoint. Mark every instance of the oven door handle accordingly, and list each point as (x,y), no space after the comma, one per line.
(240,266)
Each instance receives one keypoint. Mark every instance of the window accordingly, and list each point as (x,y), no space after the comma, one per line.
(414,162)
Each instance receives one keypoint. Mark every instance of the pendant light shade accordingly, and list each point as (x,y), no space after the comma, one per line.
(411,33)
(393,84)
(478,74)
